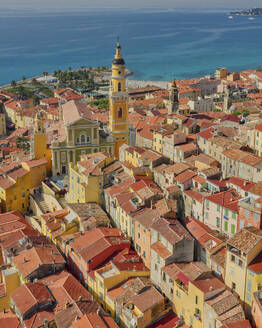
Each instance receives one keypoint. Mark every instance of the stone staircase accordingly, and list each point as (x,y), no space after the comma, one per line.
(42,204)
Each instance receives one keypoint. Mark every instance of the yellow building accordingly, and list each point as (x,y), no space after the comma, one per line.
(188,286)
(39,147)
(2,124)
(144,308)
(110,276)
(254,280)
(58,224)
(159,135)
(118,113)
(86,181)
(9,282)
(243,268)
(17,181)
(221,73)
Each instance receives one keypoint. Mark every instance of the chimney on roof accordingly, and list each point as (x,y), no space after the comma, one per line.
(211,288)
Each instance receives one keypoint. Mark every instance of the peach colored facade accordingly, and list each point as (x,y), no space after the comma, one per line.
(143,242)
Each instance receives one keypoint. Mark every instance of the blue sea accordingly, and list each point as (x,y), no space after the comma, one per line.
(157,45)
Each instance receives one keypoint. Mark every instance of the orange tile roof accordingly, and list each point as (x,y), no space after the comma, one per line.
(31,259)
(185,176)
(194,194)
(228,199)
(74,111)
(161,250)
(29,295)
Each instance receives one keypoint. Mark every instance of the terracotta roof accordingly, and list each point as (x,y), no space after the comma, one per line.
(172,231)
(256,189)
(146,217)
(74,111)
(231,118)
(223,302)
(228,199)
(30,260)
(36,162)
(119,188)
(237,324)
(187,147)
(194,195)
(168,321)
(30,295)
(177,168)
(219,257)
(251,160)
(94,320)
(256,264)
(185,176)
(206,134)
(9,320)
(147,299)
(242,183)
(6,183)
(259,127)
(161,250)
(246,239)
(199,179)
(165,206)
(192,270)
(209,285)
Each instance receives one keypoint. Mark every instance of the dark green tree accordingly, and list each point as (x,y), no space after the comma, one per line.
(23,143)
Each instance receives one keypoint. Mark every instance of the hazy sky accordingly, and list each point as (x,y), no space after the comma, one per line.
(133,3)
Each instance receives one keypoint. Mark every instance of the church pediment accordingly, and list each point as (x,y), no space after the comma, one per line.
(84,122)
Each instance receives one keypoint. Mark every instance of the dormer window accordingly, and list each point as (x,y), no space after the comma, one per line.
(119,86)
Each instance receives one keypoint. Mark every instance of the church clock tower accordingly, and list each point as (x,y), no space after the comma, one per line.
(118,114)
(173,104)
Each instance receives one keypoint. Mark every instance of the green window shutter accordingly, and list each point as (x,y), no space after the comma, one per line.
(234,216)
(233,229)
(226,211)
(226,226)
(218,208)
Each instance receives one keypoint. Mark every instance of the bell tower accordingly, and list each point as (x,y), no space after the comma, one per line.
(39,148)
(118,113)
(173,104)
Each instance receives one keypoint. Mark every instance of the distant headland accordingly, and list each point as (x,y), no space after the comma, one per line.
(248,12)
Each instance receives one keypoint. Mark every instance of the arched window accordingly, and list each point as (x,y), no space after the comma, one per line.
(83,138)
(119,86)
(120,112)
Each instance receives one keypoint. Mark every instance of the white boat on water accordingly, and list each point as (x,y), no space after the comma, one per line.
(251,18)
(230,17)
